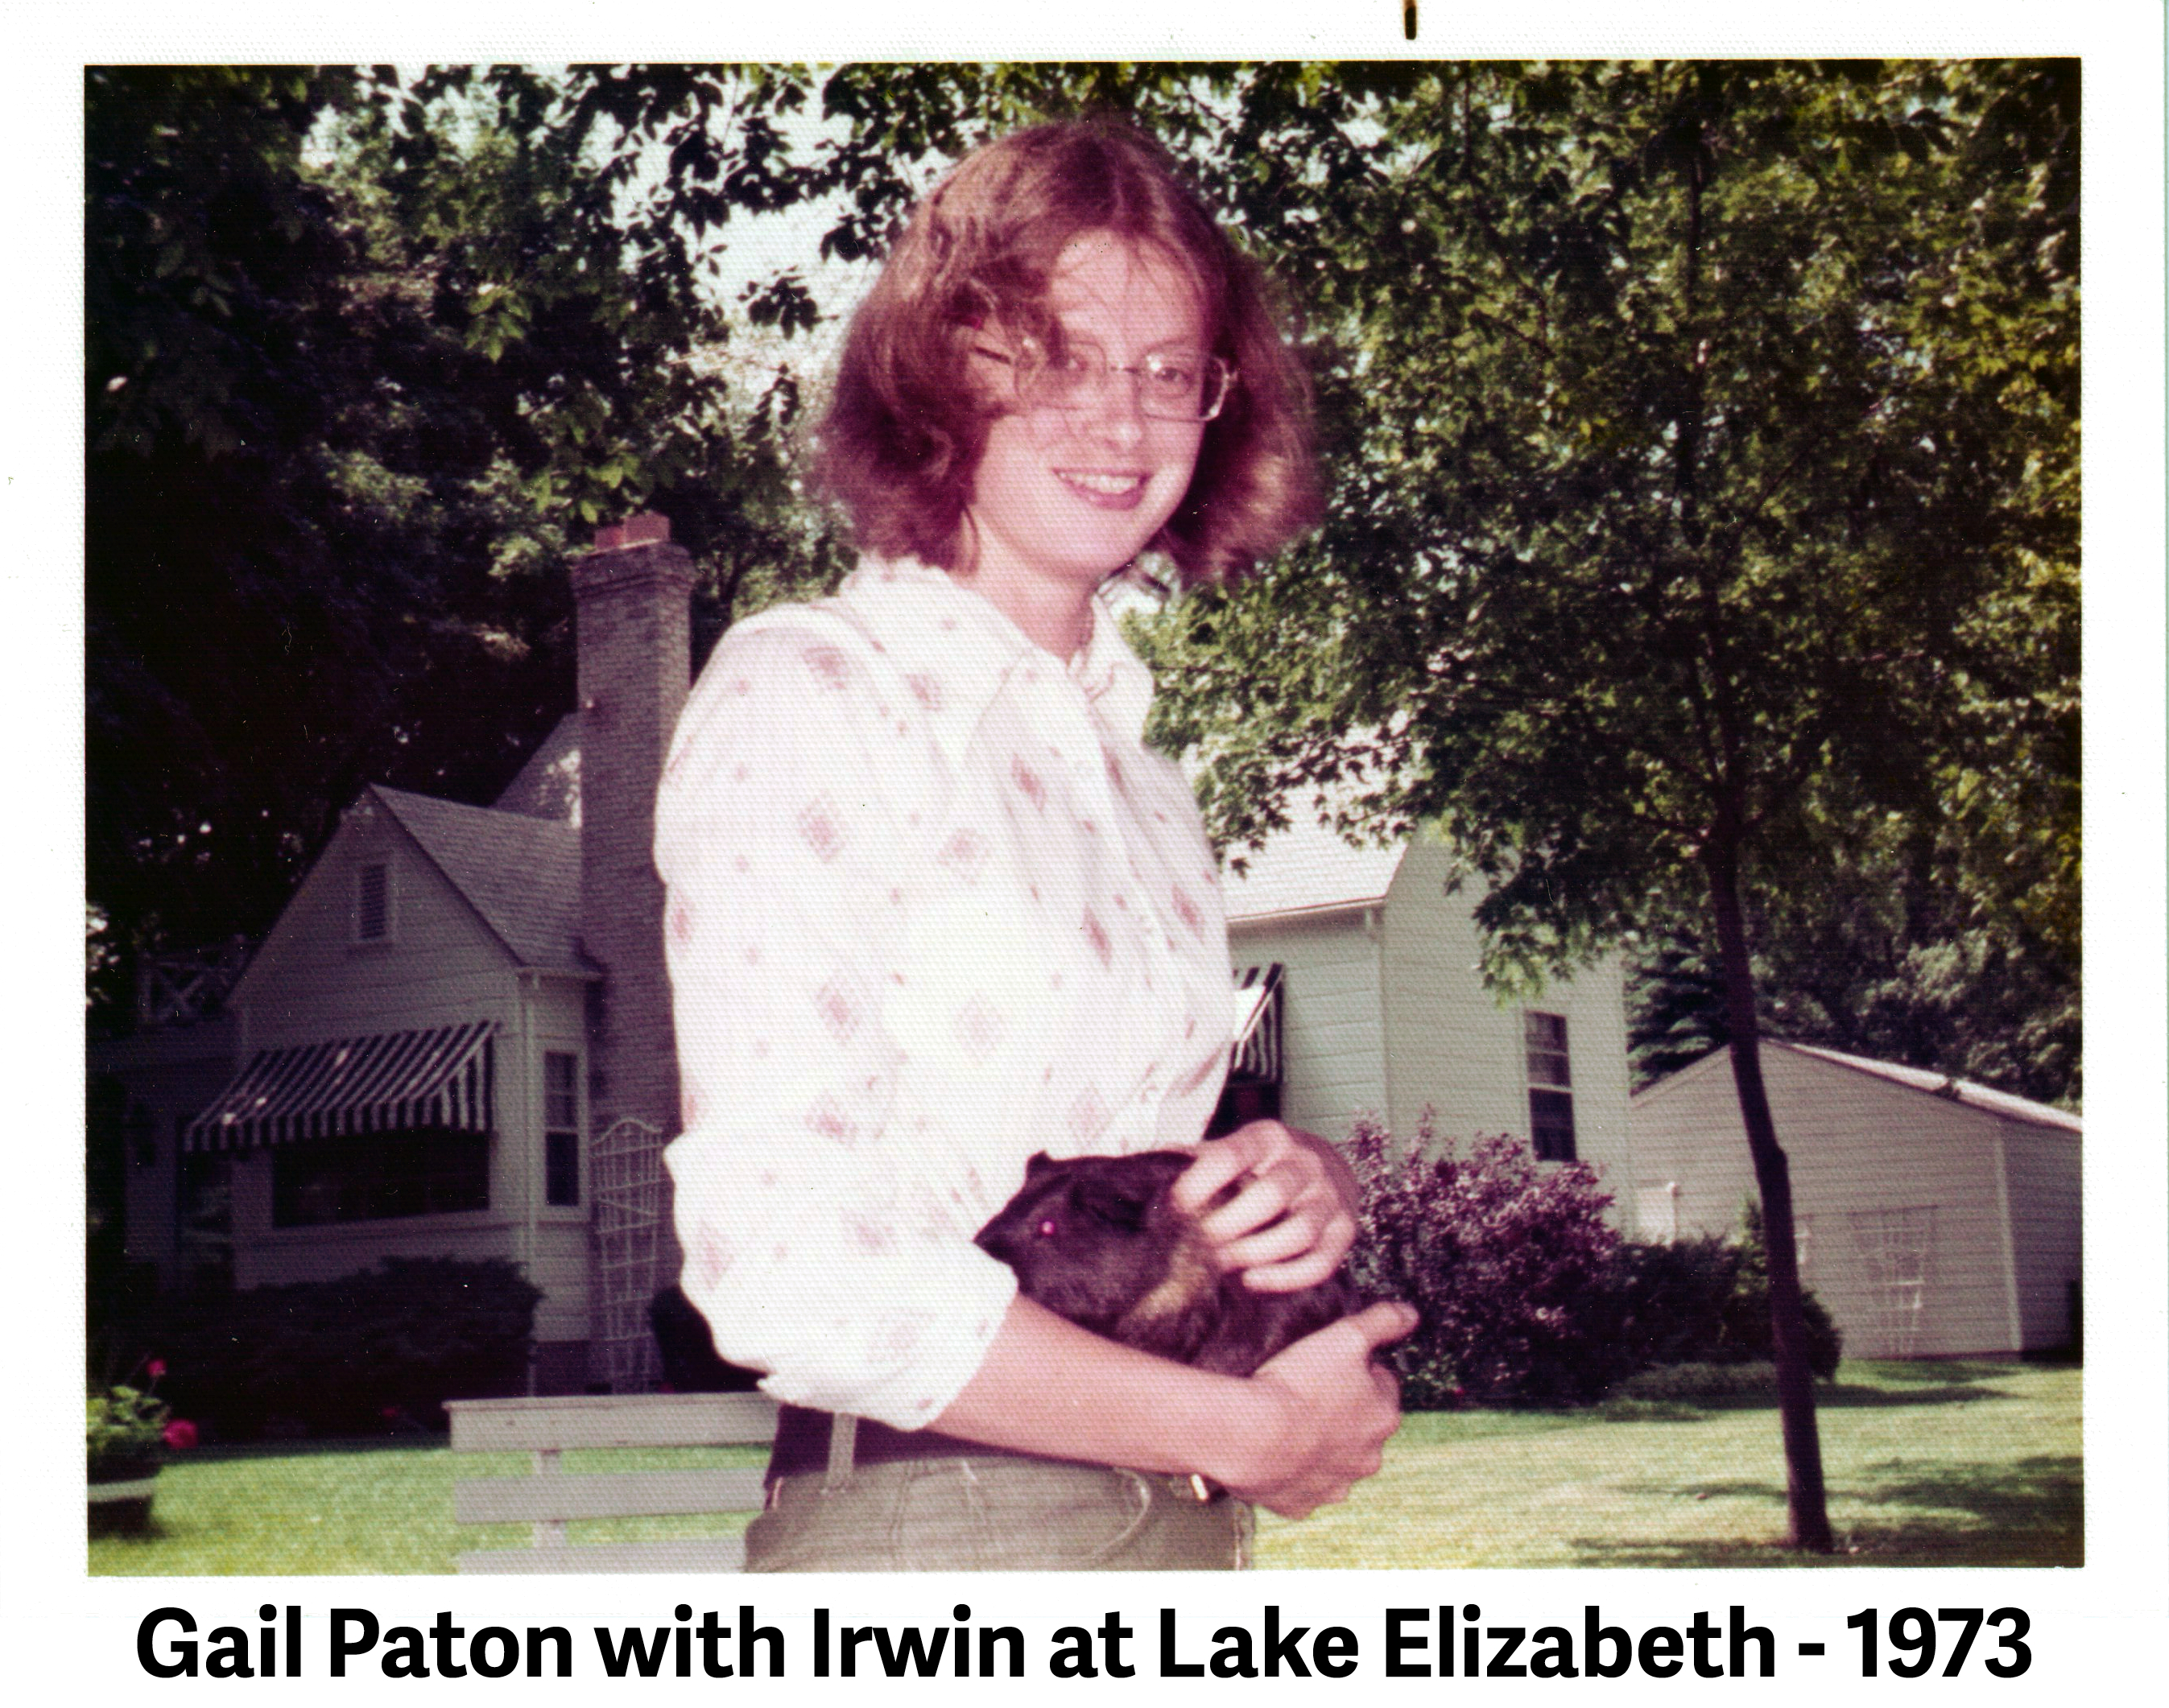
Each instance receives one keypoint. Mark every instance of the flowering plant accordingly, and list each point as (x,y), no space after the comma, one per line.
(1506,1260)
(130,1427)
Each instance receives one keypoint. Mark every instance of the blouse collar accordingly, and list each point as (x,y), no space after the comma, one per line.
(926,617)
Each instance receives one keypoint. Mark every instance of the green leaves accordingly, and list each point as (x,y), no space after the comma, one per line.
(363,359)
(1711,465)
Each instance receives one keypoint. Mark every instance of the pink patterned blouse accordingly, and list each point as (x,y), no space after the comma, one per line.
(933,907)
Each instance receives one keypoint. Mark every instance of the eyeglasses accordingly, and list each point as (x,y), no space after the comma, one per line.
(1172,385)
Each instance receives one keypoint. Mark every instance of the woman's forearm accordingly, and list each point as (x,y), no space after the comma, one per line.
(1297,1435)
(1049,1387)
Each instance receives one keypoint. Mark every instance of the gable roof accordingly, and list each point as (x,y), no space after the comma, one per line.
(548,785)
(521,874)
(1307,868)
(1924,1080)
(1955,1090)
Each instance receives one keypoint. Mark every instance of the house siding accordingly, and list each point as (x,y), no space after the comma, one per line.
(441,965)
(312,981)
(1453,1047)
(2042,1167)
(1332,1036)
(1386,1013)
(1862,1150)
(559,1260)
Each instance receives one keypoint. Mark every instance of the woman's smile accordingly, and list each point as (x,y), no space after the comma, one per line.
(1107,490)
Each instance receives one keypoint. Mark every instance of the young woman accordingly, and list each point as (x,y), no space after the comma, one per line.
(934,906)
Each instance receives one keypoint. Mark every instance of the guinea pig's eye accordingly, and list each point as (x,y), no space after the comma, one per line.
(1046,1229)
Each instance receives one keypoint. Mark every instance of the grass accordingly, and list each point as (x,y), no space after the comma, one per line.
(369,1508)
(1927,1465)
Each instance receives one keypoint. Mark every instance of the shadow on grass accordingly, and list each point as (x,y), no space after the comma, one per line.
(2029,1514)
(2044,1493)
(1840,1396)
(152,1532)
(1830,1396)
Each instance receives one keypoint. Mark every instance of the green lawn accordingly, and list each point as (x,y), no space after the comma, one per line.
(1928,1465)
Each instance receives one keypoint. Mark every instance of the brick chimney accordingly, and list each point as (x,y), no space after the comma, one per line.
(632,595)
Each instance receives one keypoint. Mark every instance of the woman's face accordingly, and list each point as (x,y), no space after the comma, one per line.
(1062,498)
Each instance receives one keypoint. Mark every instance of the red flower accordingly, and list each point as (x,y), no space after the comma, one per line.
(155,1369)
(181,1433)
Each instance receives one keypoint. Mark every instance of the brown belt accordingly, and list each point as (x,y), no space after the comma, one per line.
(830,1445)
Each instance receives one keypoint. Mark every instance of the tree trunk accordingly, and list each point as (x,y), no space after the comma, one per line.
(1789,1334)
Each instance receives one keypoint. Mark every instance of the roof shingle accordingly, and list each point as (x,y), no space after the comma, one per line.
(1305,868)
(522,875)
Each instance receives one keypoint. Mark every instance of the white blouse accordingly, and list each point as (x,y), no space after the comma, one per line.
(933,907)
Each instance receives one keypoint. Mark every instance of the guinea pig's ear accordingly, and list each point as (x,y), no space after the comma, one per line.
(1113,1204)
(1039,1165)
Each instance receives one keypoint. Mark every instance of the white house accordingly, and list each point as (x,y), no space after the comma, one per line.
(413,1042)
(1381,1008)
(456,1040)
(1934,1218)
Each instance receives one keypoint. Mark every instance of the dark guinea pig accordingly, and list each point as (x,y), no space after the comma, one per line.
(1099,1240)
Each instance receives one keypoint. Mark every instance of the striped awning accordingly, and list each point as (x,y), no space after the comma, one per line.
(1256,1050)
(389,1083)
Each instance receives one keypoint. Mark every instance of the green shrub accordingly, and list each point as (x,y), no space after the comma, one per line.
(1747,1312)
(1528,1297)
(1700,1381)
(377,1350)
(1669,1303)
(1505,1261)
(1705,1302)
(125,1432)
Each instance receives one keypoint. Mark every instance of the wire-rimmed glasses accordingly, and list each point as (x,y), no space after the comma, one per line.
(1177,385)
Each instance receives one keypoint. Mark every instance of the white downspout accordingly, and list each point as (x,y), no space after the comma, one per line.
(530,1174)
(1374,929)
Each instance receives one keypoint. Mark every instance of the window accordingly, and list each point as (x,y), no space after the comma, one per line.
(561,1124)
(1551,1093)
(377,1177)
(372,904)
(204,1215)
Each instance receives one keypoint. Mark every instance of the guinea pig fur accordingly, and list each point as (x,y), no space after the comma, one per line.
(1099,1240)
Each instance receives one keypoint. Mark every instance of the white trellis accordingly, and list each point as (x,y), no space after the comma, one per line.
(628,1177)
(1895,1248)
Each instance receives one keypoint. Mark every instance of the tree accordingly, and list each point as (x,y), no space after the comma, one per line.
(1706,510)
(364,362)
(1884,960)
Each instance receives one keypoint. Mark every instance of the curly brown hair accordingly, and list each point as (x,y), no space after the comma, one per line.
(905,431)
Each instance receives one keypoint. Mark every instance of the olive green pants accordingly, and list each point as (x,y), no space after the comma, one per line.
(995,1514)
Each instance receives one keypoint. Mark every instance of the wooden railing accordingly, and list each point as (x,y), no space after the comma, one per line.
(551,1498)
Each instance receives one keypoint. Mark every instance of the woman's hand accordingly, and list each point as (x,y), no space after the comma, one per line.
(1292,1216)
(1335,1409)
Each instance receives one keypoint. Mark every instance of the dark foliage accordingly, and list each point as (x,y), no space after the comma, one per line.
(1702,1301)
(364,365)
(1504,1260)
(1528,1296)
(688,1350)
(366,1353)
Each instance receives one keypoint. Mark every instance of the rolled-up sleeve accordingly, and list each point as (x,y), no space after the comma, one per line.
(814,1195)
